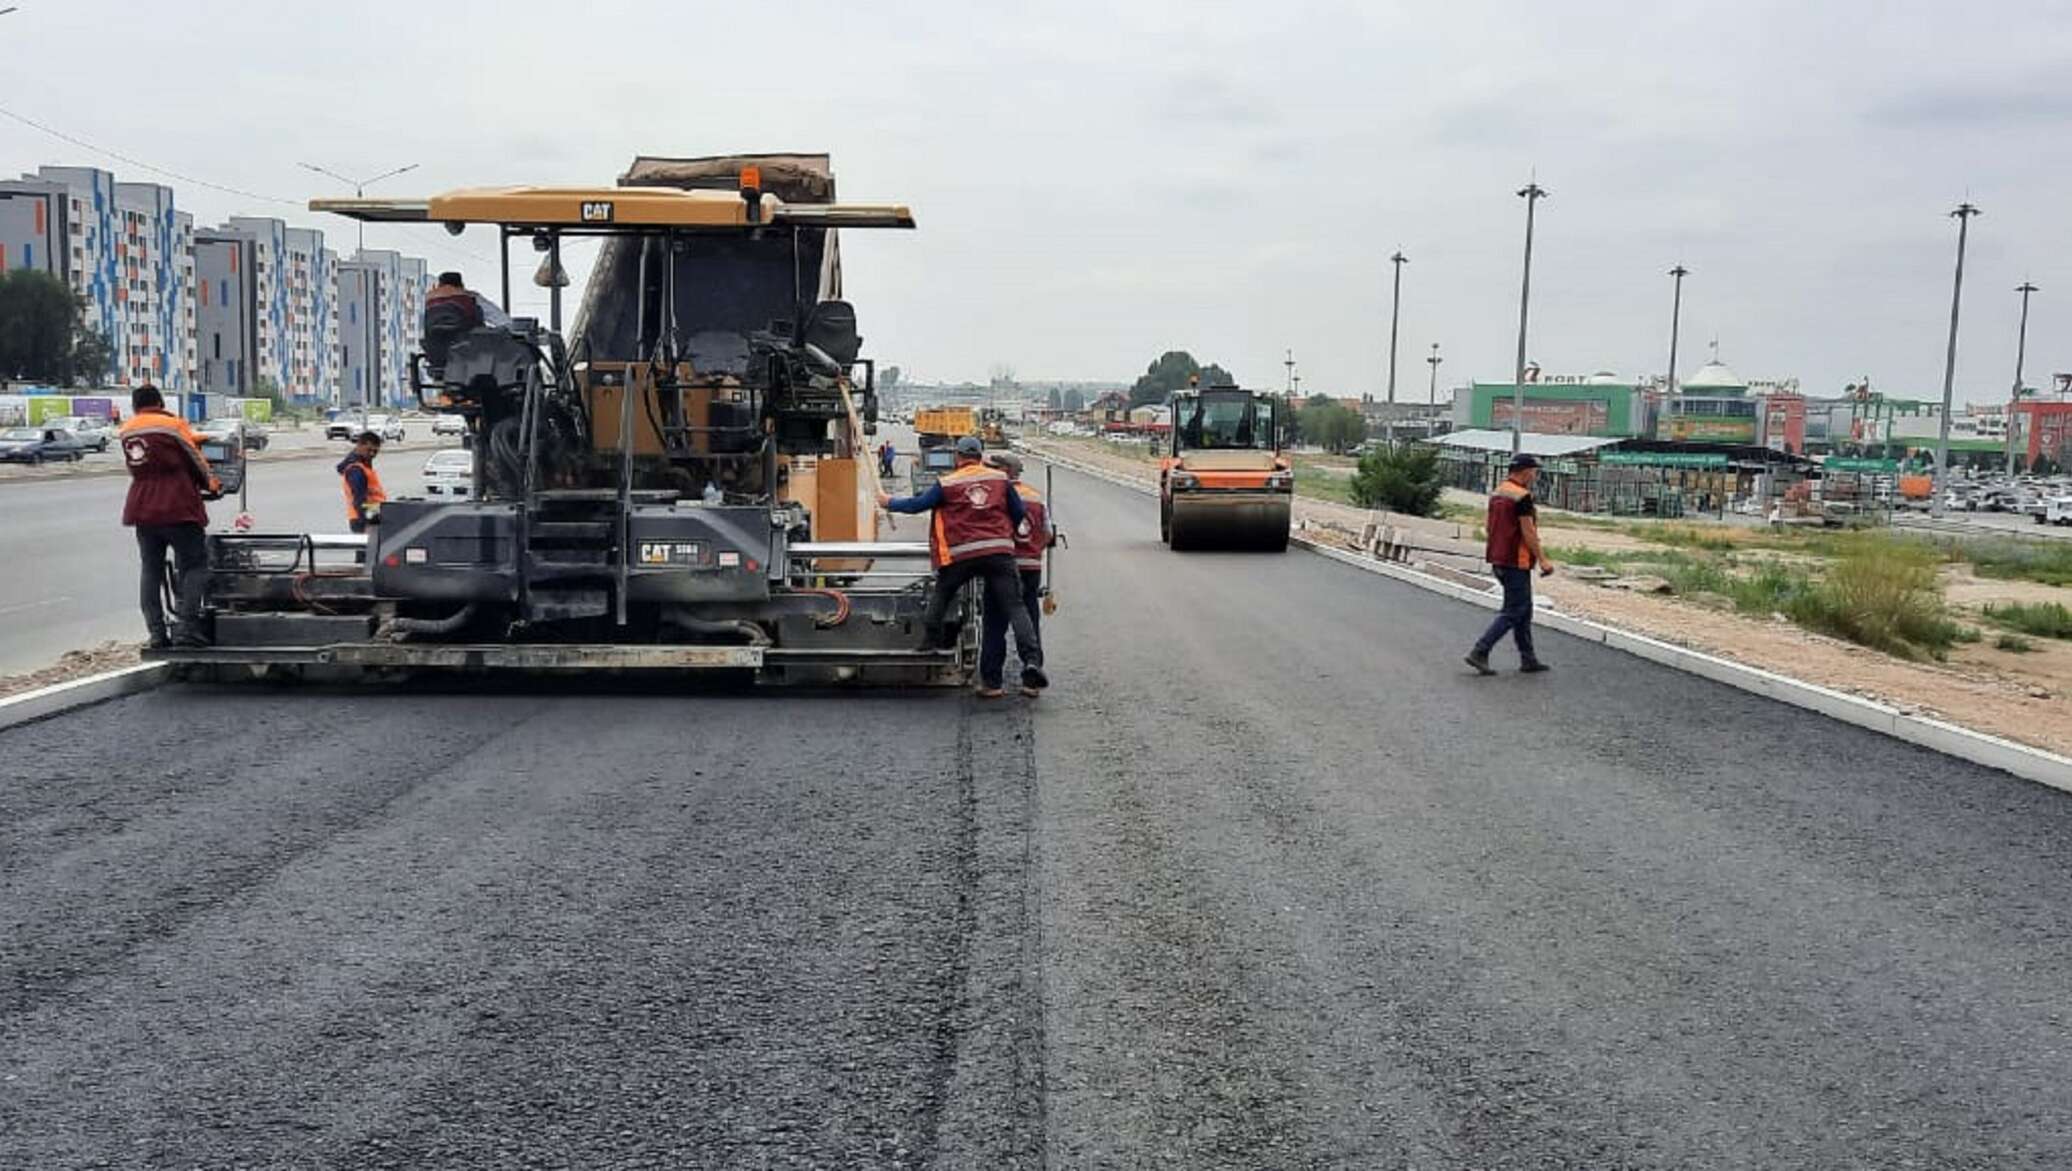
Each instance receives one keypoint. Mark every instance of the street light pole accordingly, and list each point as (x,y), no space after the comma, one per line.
(2021,352)
(1963,215)
(359,187)
(1675,322)
(1532,193)
(1395,319)
(1432,391)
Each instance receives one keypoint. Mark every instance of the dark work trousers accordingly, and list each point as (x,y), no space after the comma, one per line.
(1003,587)
(1516,615)
(992,647)
(189,545)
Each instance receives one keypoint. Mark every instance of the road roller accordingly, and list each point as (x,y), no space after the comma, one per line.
(1224,482)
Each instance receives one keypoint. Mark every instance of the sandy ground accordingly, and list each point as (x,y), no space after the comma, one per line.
(2023,697)
(71,665)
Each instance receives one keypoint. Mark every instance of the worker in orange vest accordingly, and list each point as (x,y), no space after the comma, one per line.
(973,536)
(362,484)
(169,480)
(1031,538)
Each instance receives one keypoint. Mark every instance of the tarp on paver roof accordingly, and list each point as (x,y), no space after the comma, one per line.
(1532,443)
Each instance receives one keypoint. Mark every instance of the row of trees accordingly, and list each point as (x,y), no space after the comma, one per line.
(43,333)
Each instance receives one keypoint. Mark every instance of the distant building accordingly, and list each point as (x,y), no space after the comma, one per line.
(1597,404)
(403,284)
(360,329)
(1711,406)
(226,330)
(32,226)
(312,283)
(129,255)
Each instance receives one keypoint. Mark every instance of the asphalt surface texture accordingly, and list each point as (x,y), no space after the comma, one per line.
(1268,880)
(72,566)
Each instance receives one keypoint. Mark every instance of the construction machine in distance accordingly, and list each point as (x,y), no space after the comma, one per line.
(1224,483)
(681,482)
(992,427)
(943,426)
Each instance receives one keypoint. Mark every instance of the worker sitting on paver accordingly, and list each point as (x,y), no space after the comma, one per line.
(169,479)
(362,484)
(973,536)
(1513,551)
(1031,538)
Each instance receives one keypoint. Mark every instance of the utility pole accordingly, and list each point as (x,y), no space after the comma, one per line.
(1963,215)
(359,187)
(1675,321)
(1289,362)
(1531,193)
(1432,391)
(2021,352)
(1395,319)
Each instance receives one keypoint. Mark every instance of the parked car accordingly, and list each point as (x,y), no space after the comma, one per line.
(255,436)
(33,445)
(2058,511)
(449,425)
(93,432)
(348,425)
(450,473)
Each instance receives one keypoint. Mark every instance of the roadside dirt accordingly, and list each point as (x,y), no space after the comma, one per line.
(2023,697)
(108,656)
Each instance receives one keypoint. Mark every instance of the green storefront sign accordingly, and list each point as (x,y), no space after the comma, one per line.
(1664,459)
(1852,463)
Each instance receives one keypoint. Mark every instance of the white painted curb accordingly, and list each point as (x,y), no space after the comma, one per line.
(78,693)
(2034,764)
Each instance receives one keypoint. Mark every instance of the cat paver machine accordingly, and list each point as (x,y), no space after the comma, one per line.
(680,482)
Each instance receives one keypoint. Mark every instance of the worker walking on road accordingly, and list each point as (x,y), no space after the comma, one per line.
(362,484)
(887,456)
(169,480)
(976,514)
(1513,553)
(1031,538)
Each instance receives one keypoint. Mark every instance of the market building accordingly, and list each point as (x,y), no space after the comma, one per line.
(1596,405)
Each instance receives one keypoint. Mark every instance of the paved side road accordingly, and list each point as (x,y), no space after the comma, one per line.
(1268,880)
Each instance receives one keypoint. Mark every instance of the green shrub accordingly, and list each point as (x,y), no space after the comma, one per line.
(1402,478)
(2015,643)
(1970,634)
(1881,593)
(2042,619)
(1685,537)
(2049,562)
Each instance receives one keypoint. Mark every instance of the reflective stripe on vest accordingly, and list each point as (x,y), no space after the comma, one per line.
(1028,550)
(972,520)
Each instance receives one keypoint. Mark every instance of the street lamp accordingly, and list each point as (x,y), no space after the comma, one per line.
(1675,321)
(2021,351)
(359,187)
(1963,215)
(1432,391)
(1395,317)
(1531,193)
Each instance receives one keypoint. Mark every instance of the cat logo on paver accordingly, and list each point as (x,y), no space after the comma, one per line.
(597,211)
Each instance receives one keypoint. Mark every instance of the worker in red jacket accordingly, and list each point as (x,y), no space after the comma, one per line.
(973,536)
(168,481)
(1031,538)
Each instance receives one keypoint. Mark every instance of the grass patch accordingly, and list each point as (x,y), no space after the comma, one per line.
(1322,485)
(2015,643)
(1684,537)
(1884,594)
(2049,562)
(2042,619)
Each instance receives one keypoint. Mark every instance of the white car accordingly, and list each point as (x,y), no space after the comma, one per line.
(2058,511)
(450,473)
(449,425)
(90,430)
(346,426)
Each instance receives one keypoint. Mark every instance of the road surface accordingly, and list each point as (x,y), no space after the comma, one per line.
(1268,880)
(72,567)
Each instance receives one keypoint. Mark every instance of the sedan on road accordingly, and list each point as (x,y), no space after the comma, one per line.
(223,429)
(34,445)
(389,427)
(93,433)
(450,473)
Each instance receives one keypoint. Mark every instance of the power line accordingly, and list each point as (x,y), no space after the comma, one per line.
(141,164)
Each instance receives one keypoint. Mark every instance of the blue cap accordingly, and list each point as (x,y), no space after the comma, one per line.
(970,445)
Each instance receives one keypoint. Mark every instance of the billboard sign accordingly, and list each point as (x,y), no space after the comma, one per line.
(256,410)
(1709,429)
(44,407)
(1555,416)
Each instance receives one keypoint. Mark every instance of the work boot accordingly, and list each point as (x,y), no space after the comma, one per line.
(1480,661)
(990,691)
(158,641)
(1034,680)
(1533,668)
(191,639)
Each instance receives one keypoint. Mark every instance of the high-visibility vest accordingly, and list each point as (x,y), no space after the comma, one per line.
(1034,537)
(972,520)
(375,495)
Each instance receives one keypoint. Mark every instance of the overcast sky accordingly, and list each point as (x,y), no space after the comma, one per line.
(1098,182)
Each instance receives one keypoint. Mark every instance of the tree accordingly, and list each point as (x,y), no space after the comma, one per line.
(1403,477)
(1171,373)
(1054,400)
(1331,425)
(888,379)
(93,357)
(1075,400)
(39,327)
